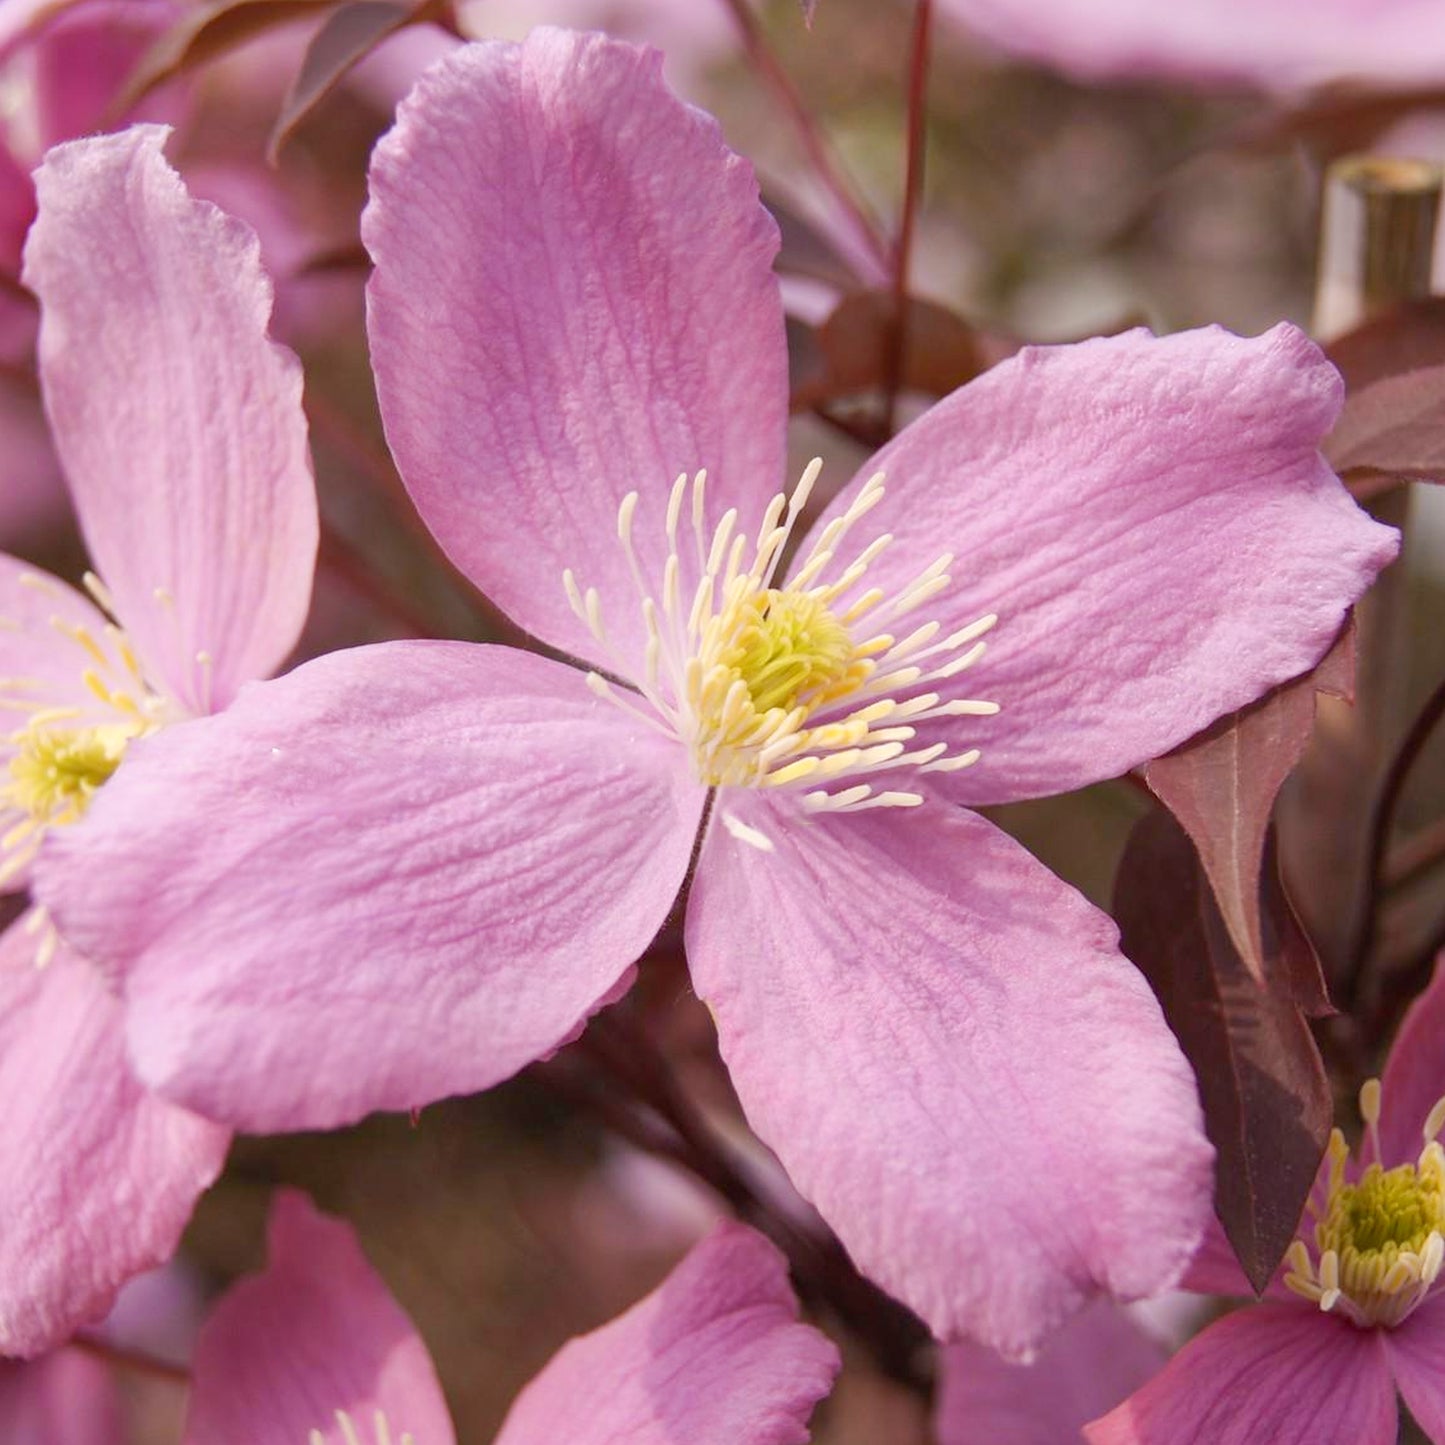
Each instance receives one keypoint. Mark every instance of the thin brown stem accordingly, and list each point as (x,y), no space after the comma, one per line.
(864,224)
(135,1361)
(1381,820)
(912,194)
(1416,856)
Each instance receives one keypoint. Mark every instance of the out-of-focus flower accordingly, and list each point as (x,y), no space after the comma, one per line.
(1354,1312)
(407,871)
(1271,44)
(316,1348)
(180,428)
(65,1398)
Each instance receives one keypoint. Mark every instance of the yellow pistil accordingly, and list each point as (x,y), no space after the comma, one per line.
(351,1433)
(63,754)
(807,683)
(1379,1241)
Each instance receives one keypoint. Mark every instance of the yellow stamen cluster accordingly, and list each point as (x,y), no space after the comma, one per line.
(63,753)
(803,683)
(351,1433)
(1379,1240)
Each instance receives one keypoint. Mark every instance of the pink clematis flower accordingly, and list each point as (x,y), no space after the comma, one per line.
(1357,1308)
(1270,44)
(317,1349)
(180,428)
(407,871)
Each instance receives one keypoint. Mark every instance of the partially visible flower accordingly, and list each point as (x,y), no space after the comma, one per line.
(317,1349)
(64,1398)
(180,428)
(1271,44)
(454,854)
(1092,1363)
(1357,1309)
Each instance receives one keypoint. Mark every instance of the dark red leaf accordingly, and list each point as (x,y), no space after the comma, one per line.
(1267,1105)
(806,251)
(1393,427)
(1405,338)
(1221,786)
(347,36)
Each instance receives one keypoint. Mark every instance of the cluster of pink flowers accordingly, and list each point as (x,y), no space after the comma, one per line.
(402,872)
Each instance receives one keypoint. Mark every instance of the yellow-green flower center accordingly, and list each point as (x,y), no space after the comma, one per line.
(56,770)
(1379,1241)
(788,649)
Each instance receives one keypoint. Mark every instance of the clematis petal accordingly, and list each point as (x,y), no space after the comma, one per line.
(954,1063)
(178,422)
(1285,1373)
(715,1354)
(1416,1351)
(65,1398)
(436,859)
(1094,1361)
(97,1176)
(1153,525)
(318,1332)
(1414,1078)
(1215,1268)
(1272,44)
(573,299)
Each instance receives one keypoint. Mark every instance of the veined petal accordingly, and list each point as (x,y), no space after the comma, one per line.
(397,873)
(1416,1351)
(573,299)
(317,1333)
(715,1355)
(951,1058)
(1285,1373)
(97,1176)
(1092,1363)
(1414,1078)
(65,1398)
(1152,523)
(178,421)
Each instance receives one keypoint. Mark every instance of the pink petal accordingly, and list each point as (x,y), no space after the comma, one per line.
(1093,1362)
(398,873)
(1215,1268)
(1416,1351)
(1152,523)
(1274,44)
(64,1398)
(954,1063)
(17,210)
(316,1333)
(572,299)
(1414,1077)
(178,422)
(1283,1373)
(714,1355)
(97,1177)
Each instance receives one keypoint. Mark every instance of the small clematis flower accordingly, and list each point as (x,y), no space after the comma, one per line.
(1355,1311)
(1274,45)
(180,428)
(407,871)
(316,1350)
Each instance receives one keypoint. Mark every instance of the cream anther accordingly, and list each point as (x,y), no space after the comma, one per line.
(351,1433)
(808,682)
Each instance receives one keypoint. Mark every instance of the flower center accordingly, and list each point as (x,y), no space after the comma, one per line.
(351,1433)
(808,682)
(64,752)
(1380,1240)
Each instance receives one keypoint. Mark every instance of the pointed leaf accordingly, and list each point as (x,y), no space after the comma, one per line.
(1221,786)
(1267,1105)
(1394,427)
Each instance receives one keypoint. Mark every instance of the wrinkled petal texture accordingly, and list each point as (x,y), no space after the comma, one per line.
(953,1061)
(398,873)
(714,1356)
(1416,1350)
(317,1333)
(1153,525)
(1414,1077)
(1273,44)
(1284,1373)
(1091,1364)
(97,1176)
(65,1398)
(573,299)
(177,420)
